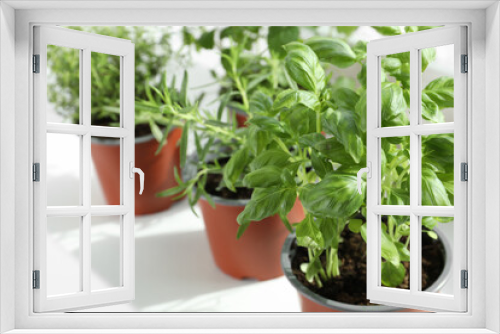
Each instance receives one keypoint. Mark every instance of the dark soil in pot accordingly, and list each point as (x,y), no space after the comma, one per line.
(350,287)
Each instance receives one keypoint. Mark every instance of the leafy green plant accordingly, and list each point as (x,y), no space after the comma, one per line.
(247,69)
(153,51)
(318,131)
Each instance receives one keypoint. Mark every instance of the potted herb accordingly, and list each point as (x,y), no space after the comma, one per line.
(325,259)
(154,155)
(213,178)
(246,68)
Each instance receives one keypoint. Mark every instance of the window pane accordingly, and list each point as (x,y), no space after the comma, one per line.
(105,171)
(395,89)
(105,89)
(437,84)
(437,246)
(395,170)
(106,252)
(63,255)
(63,84)
(395,251)
(63,169)
(437,170)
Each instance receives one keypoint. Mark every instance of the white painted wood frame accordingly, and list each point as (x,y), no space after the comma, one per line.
(483,20)
(85,43)
(415,297)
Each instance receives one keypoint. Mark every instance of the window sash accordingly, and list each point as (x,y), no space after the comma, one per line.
(413,298)
(86,43)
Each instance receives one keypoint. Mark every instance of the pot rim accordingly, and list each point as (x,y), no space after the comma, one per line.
(333,304)
(226,201)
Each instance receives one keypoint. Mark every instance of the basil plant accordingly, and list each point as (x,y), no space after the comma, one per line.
(310,141)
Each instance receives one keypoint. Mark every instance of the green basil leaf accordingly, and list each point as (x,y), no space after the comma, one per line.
(360,109)
(335,196)
(334,150)
(343,124)
(279,36)
(433,191)
(310,139)
(264,177)
(430,110)
(332,50)
(404,252)
(441,92)
(290,98)
(206,40)
(265,202)
(428,56)
(234,167)
(393,105)
(278,158)
(347,30)
(355,225)
(308,234)
(266,123)
(388,30)
(346,98)
(304,67)
(388,249)
(392,275)
(260,103)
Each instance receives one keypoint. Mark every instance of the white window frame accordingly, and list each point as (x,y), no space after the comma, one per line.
(85,43)
(414,296)
(484,102)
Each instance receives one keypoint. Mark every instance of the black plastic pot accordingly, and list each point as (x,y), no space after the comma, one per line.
(312,302)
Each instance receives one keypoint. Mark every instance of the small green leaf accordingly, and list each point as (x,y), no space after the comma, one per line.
(279,36)
(334,150)
(183,144)
(355,225)
(264,177)
(388,249)
(278,158)
(184,87)
(265,202)
(308,234)
(347,30)
(388,30)
(332,50)
(404,252)
(234,167)
(441,92)
(343,124)
(206,40)
(428,56)
(433,191)
(392,275)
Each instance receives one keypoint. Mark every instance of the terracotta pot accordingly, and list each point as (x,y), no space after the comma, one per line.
(257,253)
(158,170)
(312,302)
(241,116)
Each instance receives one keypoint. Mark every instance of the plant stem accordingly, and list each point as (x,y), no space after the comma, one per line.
(318,121)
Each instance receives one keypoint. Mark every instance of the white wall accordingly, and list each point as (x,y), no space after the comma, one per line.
(7,160)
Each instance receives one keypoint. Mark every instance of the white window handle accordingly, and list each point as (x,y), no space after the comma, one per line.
(141,175)
(368,171)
